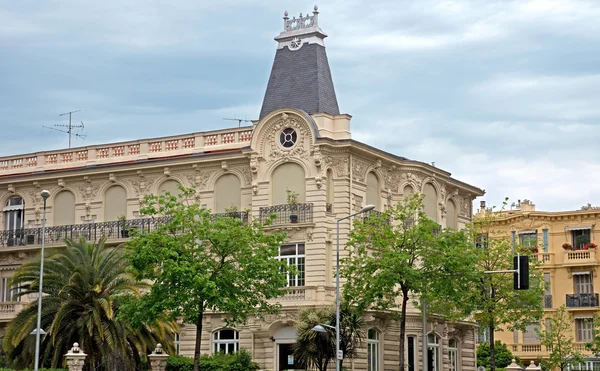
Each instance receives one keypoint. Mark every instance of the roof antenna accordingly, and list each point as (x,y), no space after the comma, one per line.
(69,127)
(238,120)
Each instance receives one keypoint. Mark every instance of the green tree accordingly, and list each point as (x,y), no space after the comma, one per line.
(83,285)
(559,338)
(499,305)
(199,263)
(393,257)
(316,349)
(504,356)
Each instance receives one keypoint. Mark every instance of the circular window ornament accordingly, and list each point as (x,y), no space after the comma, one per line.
(288,138)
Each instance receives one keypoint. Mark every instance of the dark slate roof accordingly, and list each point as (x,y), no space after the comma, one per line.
(301,79)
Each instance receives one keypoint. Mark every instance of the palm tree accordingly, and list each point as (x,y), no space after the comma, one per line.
(83,285)
(317,349)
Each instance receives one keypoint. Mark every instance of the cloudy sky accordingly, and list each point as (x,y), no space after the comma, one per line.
(503,94)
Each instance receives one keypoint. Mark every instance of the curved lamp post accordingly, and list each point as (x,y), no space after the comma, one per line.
(321,328)
(38,331)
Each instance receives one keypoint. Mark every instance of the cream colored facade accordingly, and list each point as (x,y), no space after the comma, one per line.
(249,168)
(571,275)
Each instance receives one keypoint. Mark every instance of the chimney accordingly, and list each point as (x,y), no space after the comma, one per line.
(527,205)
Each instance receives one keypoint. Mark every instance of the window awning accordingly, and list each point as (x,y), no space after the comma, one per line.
(580,273)
(583,316)
(528,232)
(578,228)
(13,208)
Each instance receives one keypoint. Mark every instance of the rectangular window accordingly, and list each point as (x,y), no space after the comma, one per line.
(583,329)
(514,238)
(293,255)
(547,290)
(581,238)
(7,294)
(516,336)
(531,334)
(177,344)
(483,335)
(482,241)
(545,239)
(549,325)
(583,283)
(528,240)
(411,359)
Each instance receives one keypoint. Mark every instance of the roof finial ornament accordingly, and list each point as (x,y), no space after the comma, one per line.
(316,15)
(285,20)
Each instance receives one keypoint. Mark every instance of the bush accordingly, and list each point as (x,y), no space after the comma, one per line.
(241,361)
(503,355)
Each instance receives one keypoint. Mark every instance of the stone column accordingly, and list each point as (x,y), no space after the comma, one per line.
(533,367)
(514,366)
(158,359)
(75,358)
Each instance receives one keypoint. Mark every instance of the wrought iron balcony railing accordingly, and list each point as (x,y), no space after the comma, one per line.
(90,231)
(242,215)
(582,300)
(548,301)
(286,214)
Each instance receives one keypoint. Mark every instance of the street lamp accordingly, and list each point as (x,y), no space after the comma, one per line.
(321,328)
(338,354)
(38,331)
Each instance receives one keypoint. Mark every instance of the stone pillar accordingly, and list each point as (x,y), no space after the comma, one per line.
(75,358)
(158,359)
(514,366)
(533,367)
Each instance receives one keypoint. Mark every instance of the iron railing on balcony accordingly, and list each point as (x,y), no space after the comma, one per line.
(242,215)
(286,214)
(91,231)
(582,300)
(548,301)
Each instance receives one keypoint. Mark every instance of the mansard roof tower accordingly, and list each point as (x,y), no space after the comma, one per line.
(300,77)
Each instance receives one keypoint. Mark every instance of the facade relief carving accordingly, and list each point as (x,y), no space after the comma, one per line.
(466,206)
(246,173)
(142,184)
(340,163)
(359,169)
(392,179)
(275,151)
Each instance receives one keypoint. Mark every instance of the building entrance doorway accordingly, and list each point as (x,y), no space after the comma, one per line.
(286,358)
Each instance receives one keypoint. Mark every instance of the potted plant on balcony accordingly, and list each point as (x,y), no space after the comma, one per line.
(123,225)
(292,200)
(590,245)
(567,246)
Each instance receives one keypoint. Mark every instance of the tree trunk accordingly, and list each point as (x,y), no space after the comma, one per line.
(492,348)
(198,341)
(403,328)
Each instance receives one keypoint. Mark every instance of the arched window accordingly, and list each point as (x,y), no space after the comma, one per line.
(171,186)
(228,193)
(372,190)
(14,214)
(64,208)
(433,353)
(226,341)
(288,176)
(451,215)
(330,191)
(115,203)
(430,202)
(373,350)
(453,355)
(408,190)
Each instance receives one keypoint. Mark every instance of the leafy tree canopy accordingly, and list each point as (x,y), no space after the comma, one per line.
(503,355)
(200,263)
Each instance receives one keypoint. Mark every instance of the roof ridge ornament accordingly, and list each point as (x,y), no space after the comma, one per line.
(307,21)
(301,30)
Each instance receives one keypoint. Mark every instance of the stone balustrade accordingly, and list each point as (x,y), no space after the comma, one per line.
(126,151)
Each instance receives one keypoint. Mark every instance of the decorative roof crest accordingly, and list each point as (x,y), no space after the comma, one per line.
(307,21)
(301,31)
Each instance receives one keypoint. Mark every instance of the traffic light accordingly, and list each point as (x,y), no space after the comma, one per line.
(521,276)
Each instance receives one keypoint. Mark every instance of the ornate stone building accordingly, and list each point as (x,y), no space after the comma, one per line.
(570,272)
(301,142)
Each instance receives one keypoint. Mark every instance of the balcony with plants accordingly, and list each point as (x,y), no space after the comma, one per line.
(587,300)
(292,213)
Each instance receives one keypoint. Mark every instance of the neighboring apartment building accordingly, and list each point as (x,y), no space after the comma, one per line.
(300,142)
(571,275)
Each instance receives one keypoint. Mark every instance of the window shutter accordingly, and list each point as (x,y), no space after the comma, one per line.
(545,238)
(516,336)
(531,335)
(514,239)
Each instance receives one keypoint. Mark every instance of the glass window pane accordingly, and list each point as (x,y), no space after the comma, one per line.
(300,249)
(287,250)
(226,334)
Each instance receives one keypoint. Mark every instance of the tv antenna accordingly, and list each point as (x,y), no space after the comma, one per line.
(238,120)
(69,127)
